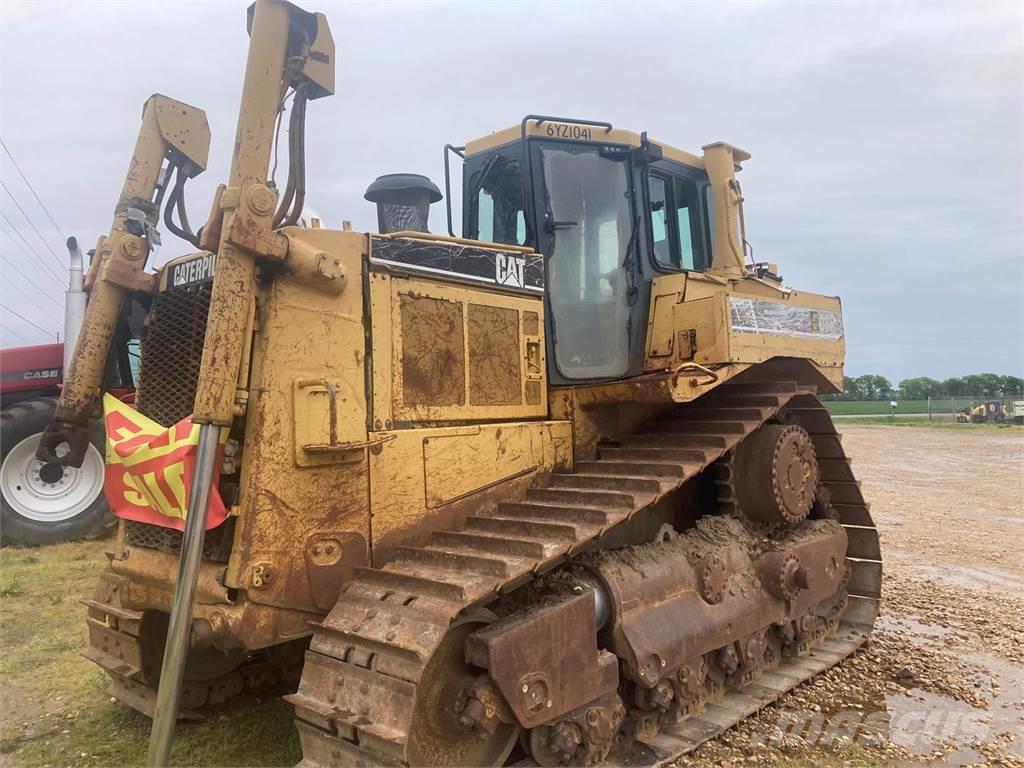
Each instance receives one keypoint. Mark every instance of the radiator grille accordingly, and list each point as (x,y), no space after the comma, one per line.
(170,358)
(216,543)
(172,352)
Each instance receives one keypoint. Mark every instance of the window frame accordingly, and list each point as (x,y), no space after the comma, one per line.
(700,239)
(471,203)
(631,273)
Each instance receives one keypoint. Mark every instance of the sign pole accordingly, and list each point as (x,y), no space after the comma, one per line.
(179,630)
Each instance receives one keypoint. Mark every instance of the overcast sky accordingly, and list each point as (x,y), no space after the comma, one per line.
(887,138)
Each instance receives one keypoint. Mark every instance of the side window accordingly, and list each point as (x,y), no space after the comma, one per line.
(660,227)
(675,220)
(496,208)
(485,217)
(687,217)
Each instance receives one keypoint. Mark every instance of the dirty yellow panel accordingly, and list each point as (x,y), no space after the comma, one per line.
(666,293)
(284,508)
(418,374)
(710,322)
(433,351)
(424,480)
(494,356)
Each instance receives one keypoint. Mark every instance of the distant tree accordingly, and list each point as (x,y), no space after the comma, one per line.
(1011,385)
(851,389)
(883,389)
(982,384)
(873,387)
(919,388)
(954,387)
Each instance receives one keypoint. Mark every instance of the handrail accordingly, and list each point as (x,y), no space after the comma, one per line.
(460,151)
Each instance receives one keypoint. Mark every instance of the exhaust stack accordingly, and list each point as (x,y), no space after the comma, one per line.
(74,302)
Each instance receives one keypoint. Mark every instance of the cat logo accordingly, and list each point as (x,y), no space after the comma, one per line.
(510,270)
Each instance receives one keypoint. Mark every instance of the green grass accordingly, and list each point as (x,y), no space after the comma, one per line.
(55,709)
(884,421)
(10,588)
(875,407)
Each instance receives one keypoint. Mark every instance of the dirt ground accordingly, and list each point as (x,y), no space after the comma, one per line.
(942,681)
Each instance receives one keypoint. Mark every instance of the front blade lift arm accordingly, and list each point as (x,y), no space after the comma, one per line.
(174,133)
(288,48)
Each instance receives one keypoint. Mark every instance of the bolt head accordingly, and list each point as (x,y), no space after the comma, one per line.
(132,248)
(262,201)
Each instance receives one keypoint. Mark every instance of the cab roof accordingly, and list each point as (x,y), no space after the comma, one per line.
(568,129)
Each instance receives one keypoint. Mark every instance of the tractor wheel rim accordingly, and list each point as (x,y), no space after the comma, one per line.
(31,496)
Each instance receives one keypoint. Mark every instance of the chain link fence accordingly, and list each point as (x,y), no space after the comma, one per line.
(994,408)
(1007,409)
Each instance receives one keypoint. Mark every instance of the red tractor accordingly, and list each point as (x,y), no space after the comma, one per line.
(45,502)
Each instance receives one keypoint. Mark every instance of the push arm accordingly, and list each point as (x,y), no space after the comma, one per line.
(174,137)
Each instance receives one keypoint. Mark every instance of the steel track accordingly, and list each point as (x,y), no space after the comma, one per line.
(357,699)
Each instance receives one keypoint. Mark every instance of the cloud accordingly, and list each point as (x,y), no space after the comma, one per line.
(887,139)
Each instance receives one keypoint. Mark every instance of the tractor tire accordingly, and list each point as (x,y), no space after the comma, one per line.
(47,503)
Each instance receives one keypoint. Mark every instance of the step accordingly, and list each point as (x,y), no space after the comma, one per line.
(745,400)
(448,560)
(544,532)
(697,412)
(631,469)
(685,457)
(760,387)
(553,513)
(490,544)
(688,427)
(409,584)
(668,440)
(626,483)
(580,498)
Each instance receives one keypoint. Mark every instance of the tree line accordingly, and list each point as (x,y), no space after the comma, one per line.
(874,387)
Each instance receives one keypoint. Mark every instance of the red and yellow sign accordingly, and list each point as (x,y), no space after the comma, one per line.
(149,468)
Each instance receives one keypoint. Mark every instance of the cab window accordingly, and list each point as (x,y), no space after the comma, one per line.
(496,204)
(675,222)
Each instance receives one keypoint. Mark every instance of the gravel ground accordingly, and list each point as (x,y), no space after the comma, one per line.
(942,680)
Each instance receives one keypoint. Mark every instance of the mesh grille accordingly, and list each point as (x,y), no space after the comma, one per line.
(171,353)
(216,544)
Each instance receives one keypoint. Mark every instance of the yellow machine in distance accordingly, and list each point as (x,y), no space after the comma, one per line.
(557,487)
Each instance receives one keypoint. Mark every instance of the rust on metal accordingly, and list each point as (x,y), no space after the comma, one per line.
(781,592)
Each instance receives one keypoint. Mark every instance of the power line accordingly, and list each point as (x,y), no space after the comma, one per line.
(41,239)
(32,190)
(16,335)
(15,286)
(22,317)
(29,280)
(30,248)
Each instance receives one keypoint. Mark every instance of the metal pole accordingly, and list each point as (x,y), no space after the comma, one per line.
(74,303)
(176,649)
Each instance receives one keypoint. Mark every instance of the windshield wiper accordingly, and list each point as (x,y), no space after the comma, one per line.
(484,173)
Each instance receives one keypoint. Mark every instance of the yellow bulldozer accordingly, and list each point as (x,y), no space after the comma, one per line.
(558,490)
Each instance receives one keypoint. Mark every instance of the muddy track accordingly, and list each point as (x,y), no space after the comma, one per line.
(117,644)
(357,699)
